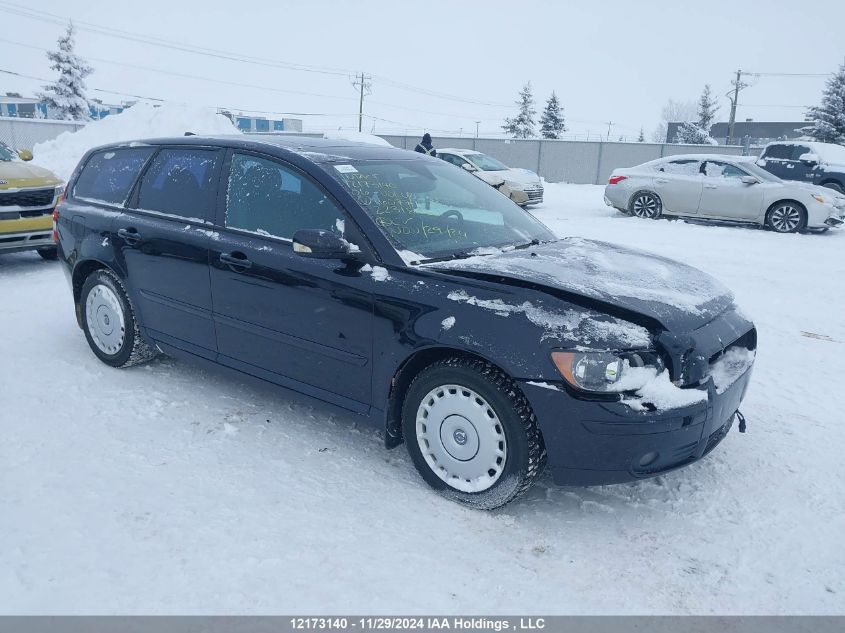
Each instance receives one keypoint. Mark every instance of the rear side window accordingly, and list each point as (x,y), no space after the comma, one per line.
(682,167)
(798,151)
(779,151)
(268,198)
(108,175)
(180,182)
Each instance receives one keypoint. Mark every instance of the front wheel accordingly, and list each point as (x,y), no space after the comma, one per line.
(471,433)
(786,217)
(109,322)
(646,205)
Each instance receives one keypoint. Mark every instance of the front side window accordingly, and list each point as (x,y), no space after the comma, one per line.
(798,151)
(181,182)
(435,210)
(108,175)
(269,198)
(451,158)
(486,163)
(783,152)
(723,170)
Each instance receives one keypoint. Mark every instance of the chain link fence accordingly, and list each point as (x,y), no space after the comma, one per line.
(21,133)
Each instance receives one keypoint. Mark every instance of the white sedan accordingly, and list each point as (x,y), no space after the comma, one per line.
(717,187)
(521,185)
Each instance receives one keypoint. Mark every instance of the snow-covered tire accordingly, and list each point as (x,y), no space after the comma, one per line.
(475,407)
(112,330)
(786,216)
(50,253)
(646,205)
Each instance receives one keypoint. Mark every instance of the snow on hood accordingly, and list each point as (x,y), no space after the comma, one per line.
(521,176)
(680,297)
(142,120)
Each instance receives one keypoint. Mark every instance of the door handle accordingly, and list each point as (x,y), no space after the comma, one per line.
(236,260)
(130,236)
(661,181)
(711,186)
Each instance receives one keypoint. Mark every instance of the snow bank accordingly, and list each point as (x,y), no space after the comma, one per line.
(141,121)
(357,137)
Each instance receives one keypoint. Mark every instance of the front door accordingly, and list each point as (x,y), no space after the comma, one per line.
(164,238)
(303,323)
(725,195)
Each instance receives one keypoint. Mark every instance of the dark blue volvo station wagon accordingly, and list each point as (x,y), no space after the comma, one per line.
(405,290)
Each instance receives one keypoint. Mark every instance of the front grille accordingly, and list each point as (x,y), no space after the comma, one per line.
(31,198)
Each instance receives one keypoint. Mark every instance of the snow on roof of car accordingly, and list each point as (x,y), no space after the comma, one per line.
(458,150)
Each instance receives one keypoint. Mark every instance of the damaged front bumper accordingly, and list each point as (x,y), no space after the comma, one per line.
(593,442)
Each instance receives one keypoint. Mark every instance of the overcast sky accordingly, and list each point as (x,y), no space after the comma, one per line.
(607,60)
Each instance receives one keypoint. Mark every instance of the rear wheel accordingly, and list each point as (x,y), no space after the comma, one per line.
(49,253)
(471,433)
(647,205)
(786,217)
(109,322)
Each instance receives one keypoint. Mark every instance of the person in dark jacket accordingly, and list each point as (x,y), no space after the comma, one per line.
(425,146)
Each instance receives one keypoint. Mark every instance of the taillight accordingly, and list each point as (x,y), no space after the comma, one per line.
(615,180)
(55,225)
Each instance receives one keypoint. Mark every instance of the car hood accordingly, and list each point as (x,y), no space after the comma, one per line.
(18,175)
(520,176)
(681,298)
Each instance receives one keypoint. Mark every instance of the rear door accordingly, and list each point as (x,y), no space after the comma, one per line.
(164,237)
(302,323)
(679,184)
(725,195)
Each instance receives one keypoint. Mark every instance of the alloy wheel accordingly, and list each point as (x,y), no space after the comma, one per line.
(785,218)
(461,438)
(646,205)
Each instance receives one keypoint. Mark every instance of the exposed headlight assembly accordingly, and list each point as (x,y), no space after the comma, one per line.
(818,198)
(607,372)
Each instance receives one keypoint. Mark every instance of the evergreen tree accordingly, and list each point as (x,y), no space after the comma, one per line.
(66,98)
(641,137)
(522,126)
(829,118)
(690,133)
(551,121)
(707,109)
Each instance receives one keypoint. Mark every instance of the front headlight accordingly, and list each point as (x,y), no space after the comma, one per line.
(608,372)
(818,198)
(514,185)
(60,189)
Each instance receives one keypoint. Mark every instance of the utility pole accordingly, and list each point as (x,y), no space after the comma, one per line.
(609,123)
(363,84)
(734,97)
(476,128)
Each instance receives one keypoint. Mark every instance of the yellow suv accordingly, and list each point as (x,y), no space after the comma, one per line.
(28,195)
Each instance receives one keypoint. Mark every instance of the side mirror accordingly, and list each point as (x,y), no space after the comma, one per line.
(321,244)
(469,167)
(24,154)
(749,180)
(810,158)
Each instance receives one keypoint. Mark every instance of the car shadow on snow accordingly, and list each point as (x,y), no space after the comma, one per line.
(25,262)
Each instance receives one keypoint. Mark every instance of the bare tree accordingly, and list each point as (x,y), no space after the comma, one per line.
(674,111)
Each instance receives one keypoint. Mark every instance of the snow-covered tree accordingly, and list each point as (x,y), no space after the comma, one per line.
(673,111)
(829,118)
(641,137)
(691,134)
(66,98)
(522,126)
(551,121)
(707,109)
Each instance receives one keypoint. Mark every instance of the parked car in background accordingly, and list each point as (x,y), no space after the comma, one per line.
(28,195)
(817,163)
(410,293)
(728,188)
(523,186)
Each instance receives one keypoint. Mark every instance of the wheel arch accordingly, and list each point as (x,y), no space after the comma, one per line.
(642,190)
(405,374)
(80,273)
(833,181)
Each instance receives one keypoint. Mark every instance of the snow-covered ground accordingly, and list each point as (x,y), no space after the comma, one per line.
(165,489)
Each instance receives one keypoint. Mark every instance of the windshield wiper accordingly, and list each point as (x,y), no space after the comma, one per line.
(534,242)
(446,258)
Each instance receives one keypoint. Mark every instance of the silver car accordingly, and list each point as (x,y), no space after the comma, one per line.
(717,187)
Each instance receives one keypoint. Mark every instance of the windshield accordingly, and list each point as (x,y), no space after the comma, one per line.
(435,210)
(758,172)
(6,153)
(485,162)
